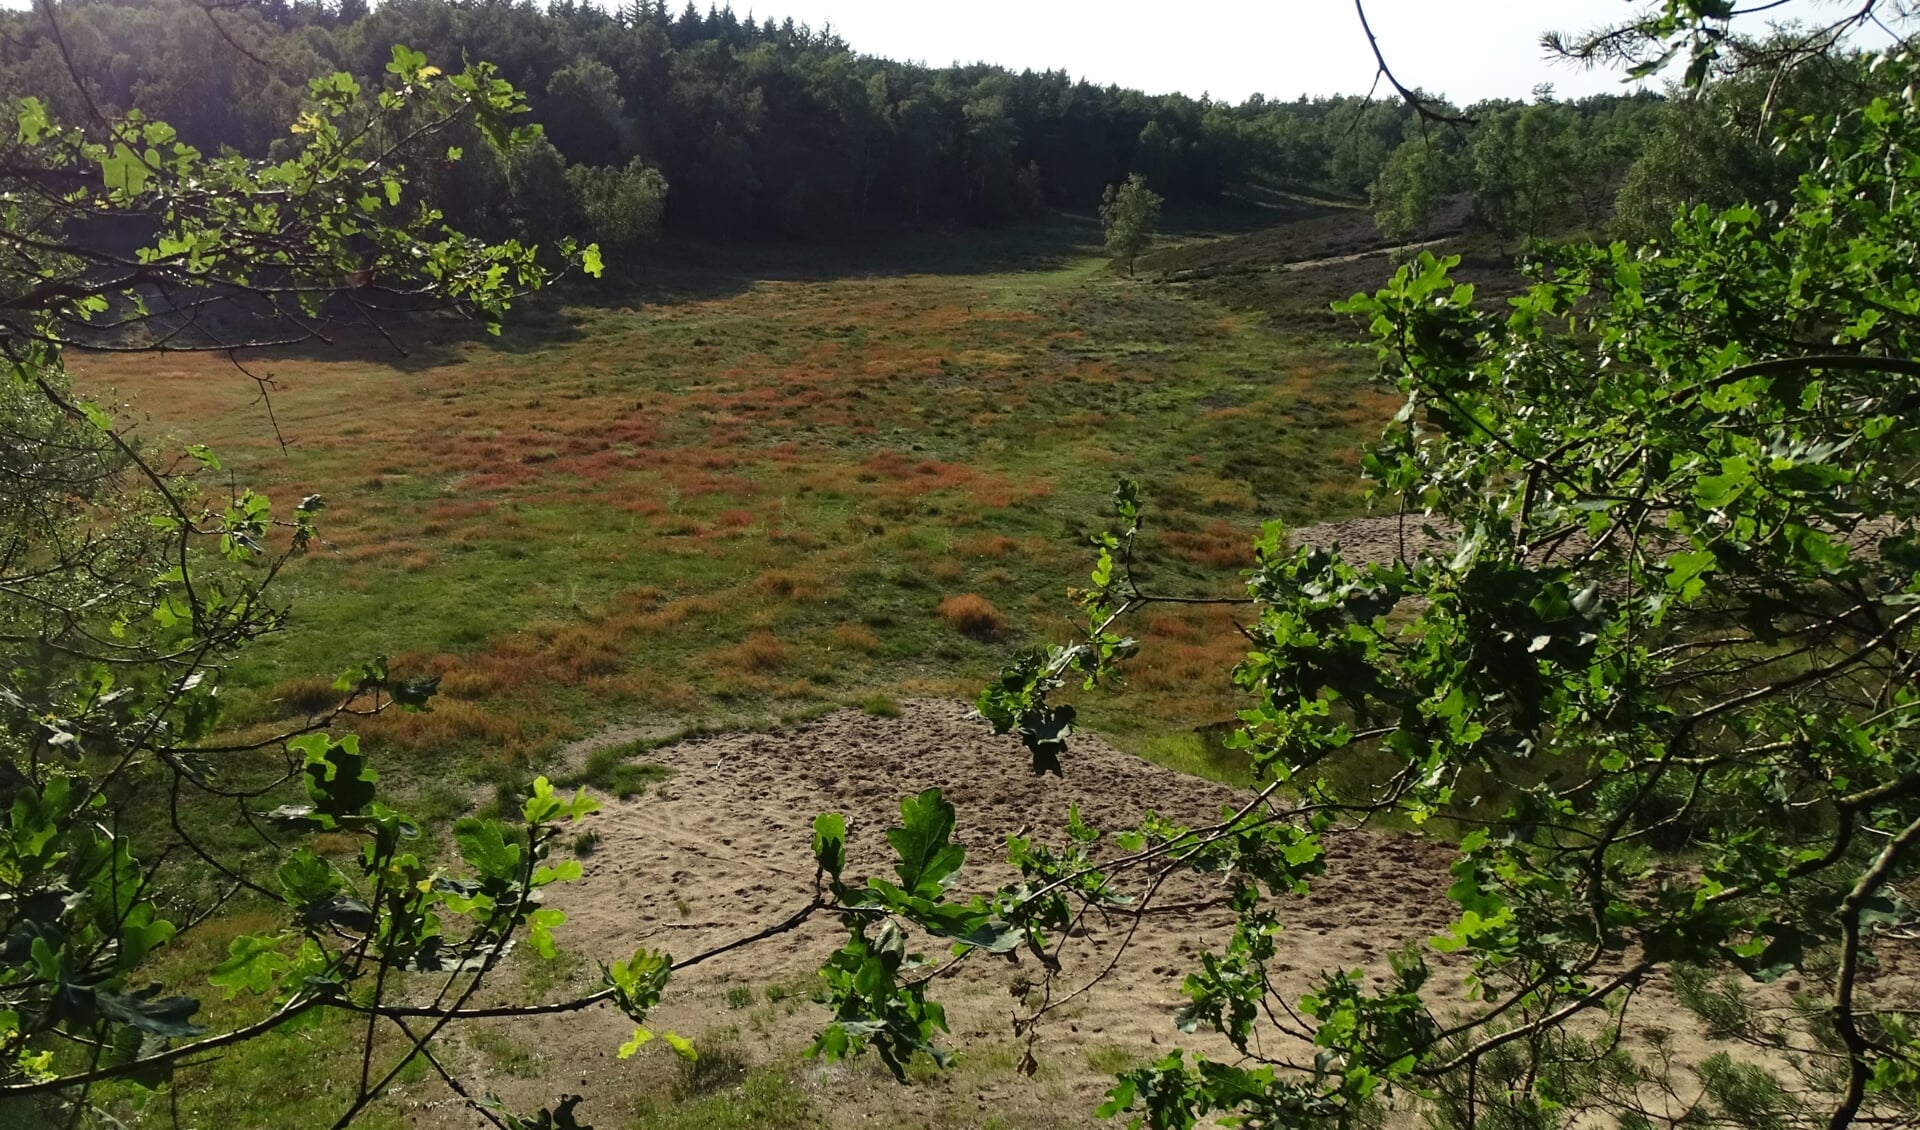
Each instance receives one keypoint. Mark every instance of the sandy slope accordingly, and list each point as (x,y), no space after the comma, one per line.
(722,848)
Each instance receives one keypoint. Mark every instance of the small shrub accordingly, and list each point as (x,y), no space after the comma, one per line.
(720,1065)
(792,584)
(880,706)
(973,615)
(739,997)
(986,545)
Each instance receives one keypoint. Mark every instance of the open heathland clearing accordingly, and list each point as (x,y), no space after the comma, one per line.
(725,496)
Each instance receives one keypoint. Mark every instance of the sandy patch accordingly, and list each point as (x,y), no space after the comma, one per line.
(722,849)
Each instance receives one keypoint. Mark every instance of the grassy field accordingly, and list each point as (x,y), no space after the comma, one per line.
(727,493)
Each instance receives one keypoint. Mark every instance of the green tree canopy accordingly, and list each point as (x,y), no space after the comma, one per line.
(1129,214)
(1416,180)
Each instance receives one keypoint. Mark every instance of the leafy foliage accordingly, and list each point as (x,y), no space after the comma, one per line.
(1673,613)
(126,591)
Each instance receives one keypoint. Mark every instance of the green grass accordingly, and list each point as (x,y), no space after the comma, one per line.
(880,706)
(629,780)
(762,1100)
(1112,1059)
(1197,752)
(504,1053)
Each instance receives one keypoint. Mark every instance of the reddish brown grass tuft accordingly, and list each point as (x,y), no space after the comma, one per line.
(760,652)
(853,637)
(449,723)
(1221,546)
(974,615)
(986,545)
(792,584)
(307,696)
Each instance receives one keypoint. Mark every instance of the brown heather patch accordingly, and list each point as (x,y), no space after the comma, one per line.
(805,585)
(675,526)
(1177,667)
(997,578)
(451,722)
(986,545)
(460,677)
(853,637)
(1369,409)
(1186,661)
(945,569)
(336,844)
(499,480)
(1173,627)
(370,551)
(760,653)
(1221,545)
(671,694)
(642,506)
(586,650)
(306,696)
(973,615)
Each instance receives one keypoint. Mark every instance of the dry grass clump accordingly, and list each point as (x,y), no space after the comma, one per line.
(449,724)
(307,696)
(760,652)
(1221,545)
(986,545)
(793,584)
(973,615)
(853,637)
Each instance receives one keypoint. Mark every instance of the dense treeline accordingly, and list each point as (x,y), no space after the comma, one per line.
(764,127)
(722,125)
(1625,165)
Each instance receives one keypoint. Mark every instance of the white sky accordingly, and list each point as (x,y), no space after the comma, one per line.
(1464,49)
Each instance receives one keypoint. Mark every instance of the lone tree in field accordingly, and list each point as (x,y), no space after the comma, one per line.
(1129,212)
